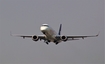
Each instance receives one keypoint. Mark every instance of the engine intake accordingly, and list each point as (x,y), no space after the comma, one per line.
(64,38)
(35,38)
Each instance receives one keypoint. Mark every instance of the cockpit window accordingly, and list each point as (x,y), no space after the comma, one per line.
(45,25)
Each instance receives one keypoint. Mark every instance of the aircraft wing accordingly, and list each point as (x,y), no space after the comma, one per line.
(82,36)
(29,36)
(70,38)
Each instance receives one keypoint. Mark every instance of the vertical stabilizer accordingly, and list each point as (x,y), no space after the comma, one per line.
(59,33)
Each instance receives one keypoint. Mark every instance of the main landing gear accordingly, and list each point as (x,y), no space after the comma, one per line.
(47,42)
(56,42)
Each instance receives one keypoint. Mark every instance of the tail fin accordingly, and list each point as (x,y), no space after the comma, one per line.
(59,33)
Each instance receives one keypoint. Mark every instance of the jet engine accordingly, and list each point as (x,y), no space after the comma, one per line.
(64,38)
(35,38)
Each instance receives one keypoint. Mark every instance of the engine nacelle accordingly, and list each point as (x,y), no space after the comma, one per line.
(64,38)
(35,38)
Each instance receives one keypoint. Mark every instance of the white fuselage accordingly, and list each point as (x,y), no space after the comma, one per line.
(48,32)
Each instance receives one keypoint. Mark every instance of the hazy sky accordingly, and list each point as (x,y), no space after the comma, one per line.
(79,17)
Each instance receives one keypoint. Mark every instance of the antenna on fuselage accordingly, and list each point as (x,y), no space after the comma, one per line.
(59,33)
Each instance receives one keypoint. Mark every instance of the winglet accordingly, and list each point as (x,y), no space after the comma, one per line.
(98,33)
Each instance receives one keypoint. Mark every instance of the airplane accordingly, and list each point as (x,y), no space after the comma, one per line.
(51,36)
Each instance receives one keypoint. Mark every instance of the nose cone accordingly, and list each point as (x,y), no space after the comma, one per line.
(43,28)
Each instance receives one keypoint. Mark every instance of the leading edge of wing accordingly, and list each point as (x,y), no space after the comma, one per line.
(82,36)
(25,36)
(19,35)
(28,36)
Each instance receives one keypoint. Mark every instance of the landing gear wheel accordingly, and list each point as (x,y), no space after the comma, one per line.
(47,43)
(56,43)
